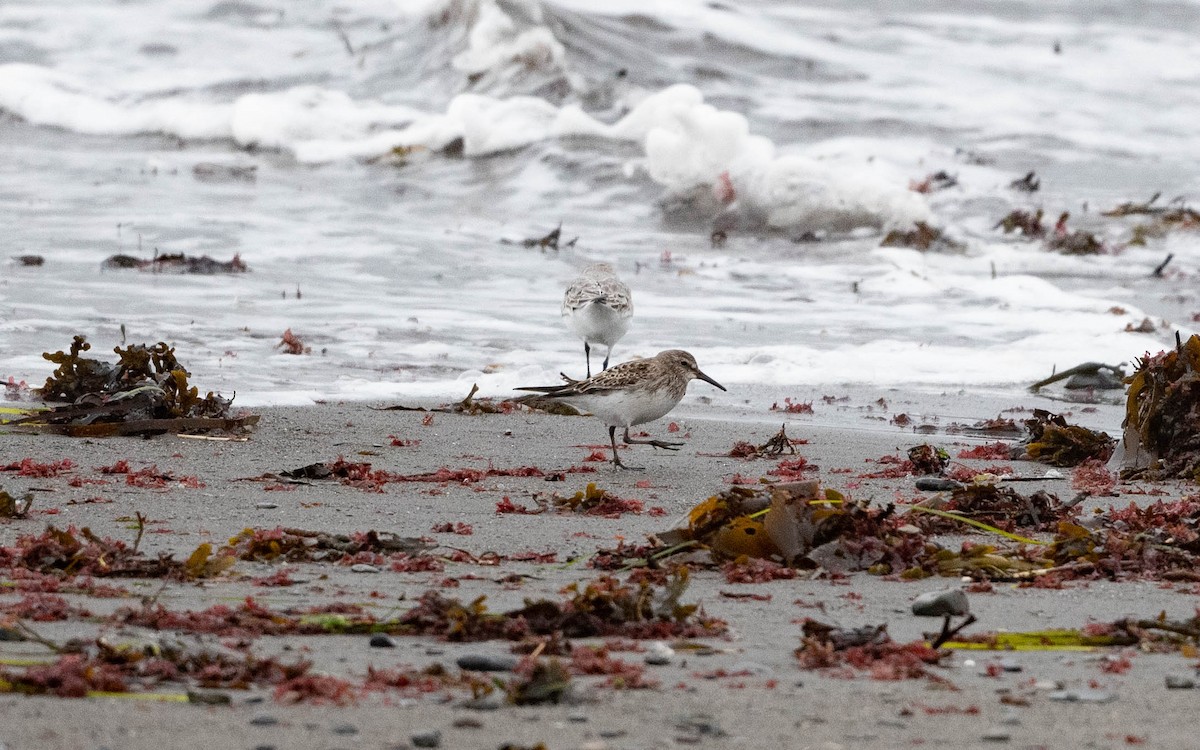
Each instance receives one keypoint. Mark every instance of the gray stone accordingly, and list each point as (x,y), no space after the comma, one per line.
(344,729)
(379,640)
(940,603)
(1010,665)
(487,662)
(264,720)
(1180,682)
(363,568)
(996,734)
(937,484)
(431,738)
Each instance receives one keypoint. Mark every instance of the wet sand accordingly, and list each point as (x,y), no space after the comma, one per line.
(748,691)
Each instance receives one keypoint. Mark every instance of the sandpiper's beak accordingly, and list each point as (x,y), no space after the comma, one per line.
(707,379)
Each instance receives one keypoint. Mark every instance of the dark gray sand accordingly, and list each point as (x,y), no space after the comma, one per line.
(747,692)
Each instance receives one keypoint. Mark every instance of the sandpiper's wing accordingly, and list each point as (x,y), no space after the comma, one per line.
(616,378)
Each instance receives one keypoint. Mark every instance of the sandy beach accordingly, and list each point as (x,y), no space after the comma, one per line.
(746,689)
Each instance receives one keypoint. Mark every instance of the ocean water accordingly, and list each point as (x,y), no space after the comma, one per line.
(793,129)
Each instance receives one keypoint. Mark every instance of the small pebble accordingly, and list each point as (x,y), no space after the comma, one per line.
(379,640)
(1010,665)
(577,718)
(610,734)
(264,747)
(434,651)
(264,720)
(940,603)
(487,662)
(363,568)
(468,722)
(1180,682)
(1083,695)
(344,729)
(937,484)
(996,734)
(432,738)
(266,505)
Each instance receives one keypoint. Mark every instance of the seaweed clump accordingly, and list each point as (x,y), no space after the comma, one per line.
(1053,441)
(1162,415)
(146,390)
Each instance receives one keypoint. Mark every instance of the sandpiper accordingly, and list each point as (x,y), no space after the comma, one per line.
(633,392)
(598,307)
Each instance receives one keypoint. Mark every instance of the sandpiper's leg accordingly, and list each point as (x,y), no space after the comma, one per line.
(670,445)
(587,352)
(612,438)
(606,356)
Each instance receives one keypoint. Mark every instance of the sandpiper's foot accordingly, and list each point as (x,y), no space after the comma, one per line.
(670,445)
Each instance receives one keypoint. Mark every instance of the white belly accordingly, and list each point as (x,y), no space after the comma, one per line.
(597,323)
(626,408)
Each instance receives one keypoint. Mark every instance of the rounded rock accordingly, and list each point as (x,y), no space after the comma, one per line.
(487,662)
(941,603)
(431,738)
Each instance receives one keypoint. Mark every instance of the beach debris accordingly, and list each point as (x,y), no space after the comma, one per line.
(145,392)
(1086,376)
(997,506)
(934,182)
(1079,242)
(928,459)
(290,343)
(1053,441)
(11,507)
(360,475)
(29,261)
(779,444)
(1019,220)
(921,237)
(206,171)
(868,648)
(1089,639)
(591,501)
(130,665)
(1027,184)
(539,681)
(79,552)
(549,242)
(300,545)
(1162,414)
(473,406)
(789,522)
(1164,218)
(602,607)
(176,263)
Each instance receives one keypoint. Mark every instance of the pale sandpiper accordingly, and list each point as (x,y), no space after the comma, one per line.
(598,307)
(633,392)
